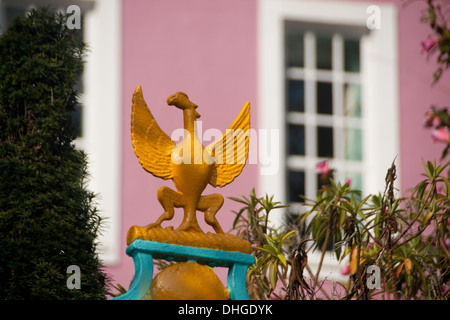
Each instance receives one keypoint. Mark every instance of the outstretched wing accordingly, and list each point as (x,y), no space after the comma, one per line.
(151,145)
(230,152)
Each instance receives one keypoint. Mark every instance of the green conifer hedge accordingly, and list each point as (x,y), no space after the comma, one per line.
(48,219)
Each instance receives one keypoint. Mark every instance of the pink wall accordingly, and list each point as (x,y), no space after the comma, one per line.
(204,48)
(208,49)
(417,94)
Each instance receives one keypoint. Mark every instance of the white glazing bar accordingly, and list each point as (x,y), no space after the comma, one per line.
(338,94)
(310,95)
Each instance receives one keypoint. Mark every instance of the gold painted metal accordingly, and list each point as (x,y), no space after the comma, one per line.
(187,281)
(221,241)
(192,167)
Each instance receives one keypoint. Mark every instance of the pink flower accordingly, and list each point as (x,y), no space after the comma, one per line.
(323,168)
(436,121)
(345,271)
(348,182)
(431,120)
(441,135)
(428,120)
(428,44)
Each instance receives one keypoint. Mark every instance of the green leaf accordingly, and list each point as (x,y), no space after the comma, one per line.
(376,200)
(270,250)
(282,258)
(287,235)
(420,189)
(427,218)
(273,274)
(238,200)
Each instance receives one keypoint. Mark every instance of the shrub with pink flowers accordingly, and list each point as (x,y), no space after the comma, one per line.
(407,239)
(438,120)
(438,42)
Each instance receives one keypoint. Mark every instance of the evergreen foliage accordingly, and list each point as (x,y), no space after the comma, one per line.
(48,219)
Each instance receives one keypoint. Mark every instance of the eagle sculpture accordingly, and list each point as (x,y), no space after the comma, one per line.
(189,164)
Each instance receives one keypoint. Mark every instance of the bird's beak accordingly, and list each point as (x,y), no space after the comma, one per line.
(171,100)
(181,101)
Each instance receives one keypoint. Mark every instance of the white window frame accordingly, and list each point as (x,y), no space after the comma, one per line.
(101,120)
(379,81)
(311,120)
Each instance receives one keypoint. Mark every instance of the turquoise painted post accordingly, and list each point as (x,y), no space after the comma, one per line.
(236,281)
(143,274)
(144,251)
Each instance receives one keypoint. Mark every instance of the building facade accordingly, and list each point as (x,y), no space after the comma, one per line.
(340,81)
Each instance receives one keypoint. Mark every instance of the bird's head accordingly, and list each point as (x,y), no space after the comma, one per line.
(181,101)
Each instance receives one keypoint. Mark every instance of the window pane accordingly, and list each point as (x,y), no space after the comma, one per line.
(325,142)
(296,137)
(294,48)
(324,98)
(353,144)
(296,185)
(77,122)
(355,179)
(323,52)
(351,55)
(295,95)
(352,100)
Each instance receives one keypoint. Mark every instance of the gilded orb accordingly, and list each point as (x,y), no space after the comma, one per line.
(187,281)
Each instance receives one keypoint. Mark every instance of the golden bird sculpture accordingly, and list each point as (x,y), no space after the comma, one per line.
(189,164)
